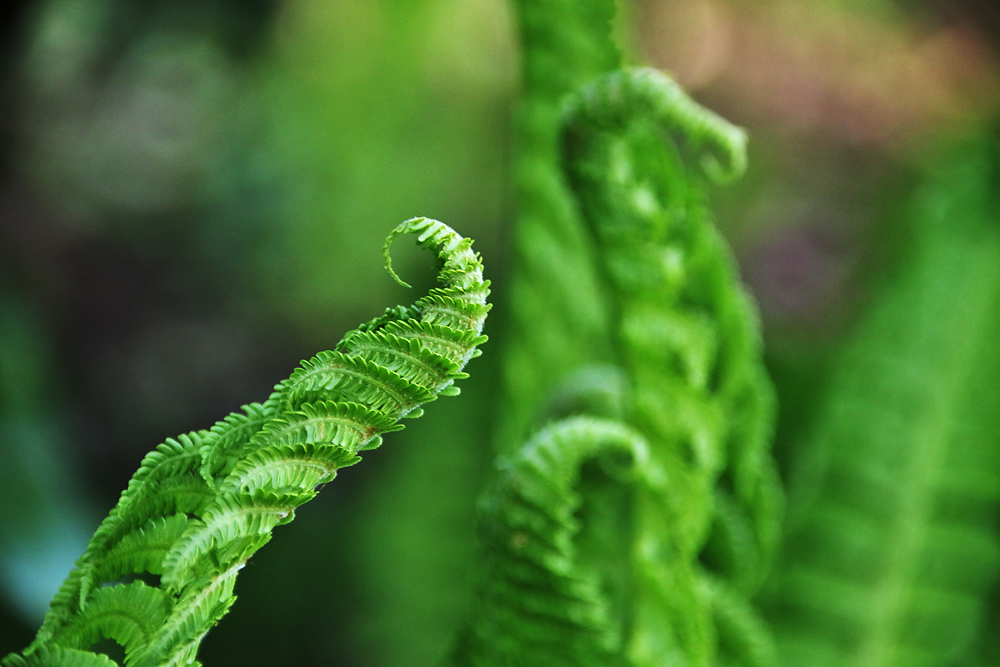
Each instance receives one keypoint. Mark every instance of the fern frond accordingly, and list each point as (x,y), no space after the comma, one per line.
(892,543)
(619,265)
(173,458)
(130,614)
(64,604)
(744,637)
(611,102)
(166,483)
(437,338)
(202,504)
(59,657)
(689,340)
(229,436)
(198,608)
(350,377)
(560,319)
(447,310)
(290,466)
(405,356)
(141,550)
(234,519)
(546,596)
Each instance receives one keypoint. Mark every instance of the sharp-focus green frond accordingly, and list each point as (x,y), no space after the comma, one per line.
(406,356)
(460,269)
(350,426)
(228,437)
(55,656)
(188,493)
(202,504)
(64,604)
(171,459)
(130,614)
(166,483)
(198,608)
(141,550)
(353,378)
(287,467)
(437,338)
(446,310)
(231,519)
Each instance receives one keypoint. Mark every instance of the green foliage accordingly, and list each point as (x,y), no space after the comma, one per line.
(688,335)
(559,319)
(160,570)
(636,511)
(543,563)
(416,548)
(629,314)
(892,540)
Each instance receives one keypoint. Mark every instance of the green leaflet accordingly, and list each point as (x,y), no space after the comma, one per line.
(892,544)
(201,505)
(130,614)
(59,657)
(142,549)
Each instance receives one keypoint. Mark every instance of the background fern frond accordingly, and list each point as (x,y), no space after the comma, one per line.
(576,573)
(892,544)
(559,318)
(553,590)
(689,340)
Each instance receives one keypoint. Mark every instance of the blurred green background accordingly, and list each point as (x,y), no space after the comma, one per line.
(193,196)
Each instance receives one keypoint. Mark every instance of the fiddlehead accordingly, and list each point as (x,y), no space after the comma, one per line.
(202,504)
(696,530)
(688,333)
(892,543)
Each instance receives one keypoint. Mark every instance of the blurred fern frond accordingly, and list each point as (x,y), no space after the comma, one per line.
(559,319)
(690,343)
(663,569)
(892,543)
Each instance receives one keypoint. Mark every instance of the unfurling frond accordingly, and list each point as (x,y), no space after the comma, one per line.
(581,572)
(688,332)
(201,505)
(553,591)
(612,102)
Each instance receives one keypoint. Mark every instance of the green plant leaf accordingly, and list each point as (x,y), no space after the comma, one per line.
(201,505)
